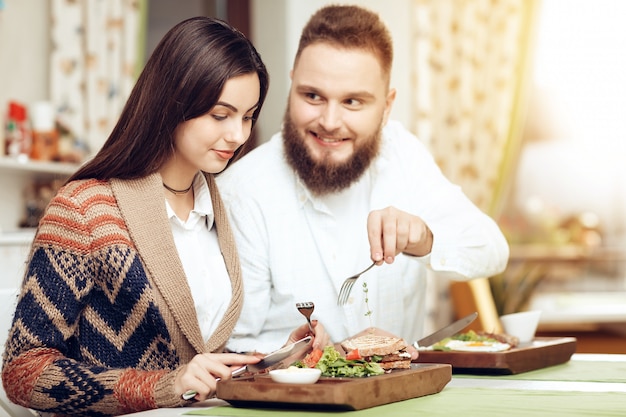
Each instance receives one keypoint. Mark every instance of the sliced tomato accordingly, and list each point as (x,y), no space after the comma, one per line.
(313,357)
(353,355)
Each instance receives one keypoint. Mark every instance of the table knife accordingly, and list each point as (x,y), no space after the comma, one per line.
(267,361)
(447,331)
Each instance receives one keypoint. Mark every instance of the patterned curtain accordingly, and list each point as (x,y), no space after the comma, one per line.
(95,52)
(471,73)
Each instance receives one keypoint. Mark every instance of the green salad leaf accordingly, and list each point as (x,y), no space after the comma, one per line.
(333,364)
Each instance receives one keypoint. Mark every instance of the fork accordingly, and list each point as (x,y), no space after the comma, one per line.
(306,309)
(346,287)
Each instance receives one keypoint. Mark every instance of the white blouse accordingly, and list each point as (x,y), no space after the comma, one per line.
(199,252)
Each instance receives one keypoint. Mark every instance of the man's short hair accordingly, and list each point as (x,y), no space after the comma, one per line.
(350,27)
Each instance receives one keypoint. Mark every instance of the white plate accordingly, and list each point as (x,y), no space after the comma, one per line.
(294,375)
(471,346)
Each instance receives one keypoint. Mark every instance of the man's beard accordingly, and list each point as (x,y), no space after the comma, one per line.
(325,177)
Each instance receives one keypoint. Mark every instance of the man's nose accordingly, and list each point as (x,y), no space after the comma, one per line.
(330,119)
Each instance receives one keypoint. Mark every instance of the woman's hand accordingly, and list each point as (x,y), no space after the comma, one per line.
(204,370)
(320,338)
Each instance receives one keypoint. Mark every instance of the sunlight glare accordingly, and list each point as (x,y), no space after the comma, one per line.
(581,60)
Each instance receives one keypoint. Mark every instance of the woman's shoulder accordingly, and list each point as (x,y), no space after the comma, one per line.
(80,197)
(84,189)
(81,210)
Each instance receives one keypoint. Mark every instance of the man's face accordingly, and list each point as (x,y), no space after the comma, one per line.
(338,104)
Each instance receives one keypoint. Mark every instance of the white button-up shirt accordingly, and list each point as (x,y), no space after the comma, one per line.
(199,252)
(297,247)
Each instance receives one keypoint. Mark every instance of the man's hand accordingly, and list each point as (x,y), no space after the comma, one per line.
(392,231)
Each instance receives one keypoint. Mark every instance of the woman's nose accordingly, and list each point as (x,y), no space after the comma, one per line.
(239,132)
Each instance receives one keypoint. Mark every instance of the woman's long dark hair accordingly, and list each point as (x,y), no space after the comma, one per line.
(183,79)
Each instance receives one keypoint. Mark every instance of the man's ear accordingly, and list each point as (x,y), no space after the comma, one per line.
(391,97)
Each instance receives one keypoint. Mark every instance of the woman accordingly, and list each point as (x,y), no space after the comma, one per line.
(133,277)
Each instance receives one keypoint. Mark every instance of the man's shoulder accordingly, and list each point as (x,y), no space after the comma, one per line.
(265,163)
(397,137)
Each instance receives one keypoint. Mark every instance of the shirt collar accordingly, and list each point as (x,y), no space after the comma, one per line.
(202,205)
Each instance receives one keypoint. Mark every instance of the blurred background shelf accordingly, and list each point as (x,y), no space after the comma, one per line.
(21,181)
(28,166)
(581,294)
(566,253)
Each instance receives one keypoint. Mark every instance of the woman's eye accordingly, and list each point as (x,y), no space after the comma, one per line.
(219,117)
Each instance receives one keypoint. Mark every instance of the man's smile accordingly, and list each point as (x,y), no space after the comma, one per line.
(328,139)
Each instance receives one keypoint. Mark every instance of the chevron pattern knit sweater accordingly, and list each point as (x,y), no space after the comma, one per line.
(105,317)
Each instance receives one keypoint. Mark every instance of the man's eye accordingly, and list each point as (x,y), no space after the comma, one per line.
(312,96)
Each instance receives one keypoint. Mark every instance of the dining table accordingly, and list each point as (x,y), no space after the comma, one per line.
(586,385)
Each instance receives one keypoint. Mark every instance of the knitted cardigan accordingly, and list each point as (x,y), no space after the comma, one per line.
(105,317)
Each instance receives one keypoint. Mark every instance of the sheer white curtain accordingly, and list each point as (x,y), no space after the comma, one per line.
(95,48)
(471,69)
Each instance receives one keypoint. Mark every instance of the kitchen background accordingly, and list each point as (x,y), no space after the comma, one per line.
(521,101)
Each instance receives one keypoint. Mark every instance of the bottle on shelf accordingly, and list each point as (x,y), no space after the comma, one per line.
(17,132)
(45,136)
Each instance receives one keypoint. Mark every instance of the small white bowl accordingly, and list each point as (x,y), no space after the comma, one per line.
(522,325)
(294,375)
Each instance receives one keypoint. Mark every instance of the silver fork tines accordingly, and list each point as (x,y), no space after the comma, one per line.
(346,287)
(306,309)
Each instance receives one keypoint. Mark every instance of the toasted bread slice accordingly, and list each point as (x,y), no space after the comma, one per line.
(370,345)
(398,356)
(403,364)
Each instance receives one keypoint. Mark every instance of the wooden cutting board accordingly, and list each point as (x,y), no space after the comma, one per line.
(540,353)
(337,393)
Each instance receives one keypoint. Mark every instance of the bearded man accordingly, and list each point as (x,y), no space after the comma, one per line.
(341,187)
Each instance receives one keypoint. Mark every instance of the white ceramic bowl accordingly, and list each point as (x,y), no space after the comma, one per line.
(294,375)
(522,325)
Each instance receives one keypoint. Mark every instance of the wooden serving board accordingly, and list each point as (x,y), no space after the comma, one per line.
(337,393)
(540,353)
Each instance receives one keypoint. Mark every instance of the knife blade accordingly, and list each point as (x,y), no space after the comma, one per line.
(267,361)
(447,331)
(275,357)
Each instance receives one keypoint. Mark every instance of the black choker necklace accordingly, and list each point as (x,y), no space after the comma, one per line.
(177,192)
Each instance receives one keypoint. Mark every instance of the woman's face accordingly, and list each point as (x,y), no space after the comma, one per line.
(209,141)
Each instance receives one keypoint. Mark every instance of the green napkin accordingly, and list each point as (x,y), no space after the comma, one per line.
(587,371)
(466,402)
